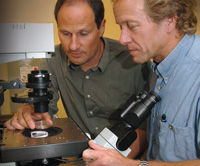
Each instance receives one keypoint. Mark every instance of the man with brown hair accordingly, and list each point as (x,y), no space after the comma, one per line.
(163,30)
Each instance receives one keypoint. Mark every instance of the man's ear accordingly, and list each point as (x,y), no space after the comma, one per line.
(102,27)
(171,23)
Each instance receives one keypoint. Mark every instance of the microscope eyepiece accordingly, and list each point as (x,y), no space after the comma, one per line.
(141,109)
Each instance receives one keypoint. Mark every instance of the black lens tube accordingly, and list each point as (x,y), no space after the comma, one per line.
(141,110)
(39,82)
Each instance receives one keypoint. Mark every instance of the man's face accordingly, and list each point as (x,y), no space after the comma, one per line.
(79,34)
(144,39)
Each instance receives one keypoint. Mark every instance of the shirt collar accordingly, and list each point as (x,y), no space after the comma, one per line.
(167,66)
(105,57)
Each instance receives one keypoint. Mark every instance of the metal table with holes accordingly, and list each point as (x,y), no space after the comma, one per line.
(69,143)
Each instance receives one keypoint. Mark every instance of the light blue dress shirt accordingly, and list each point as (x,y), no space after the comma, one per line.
(177,137)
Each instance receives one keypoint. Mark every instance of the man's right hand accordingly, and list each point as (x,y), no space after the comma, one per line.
(25,117)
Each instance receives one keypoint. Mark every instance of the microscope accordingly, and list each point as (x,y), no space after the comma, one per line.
(39,82)
(122,134)
(42,146)
(21,41)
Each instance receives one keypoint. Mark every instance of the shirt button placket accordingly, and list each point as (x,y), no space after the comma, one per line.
(170,127)
(88,77)
(88,96)
(159,88)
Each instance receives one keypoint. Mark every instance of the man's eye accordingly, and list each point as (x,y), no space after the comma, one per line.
(66,33)
(83,34)
(132,26)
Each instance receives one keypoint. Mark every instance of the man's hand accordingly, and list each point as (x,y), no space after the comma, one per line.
(106,157)
(25,117)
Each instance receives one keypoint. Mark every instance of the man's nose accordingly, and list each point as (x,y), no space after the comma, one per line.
(125,37)
(74,43)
